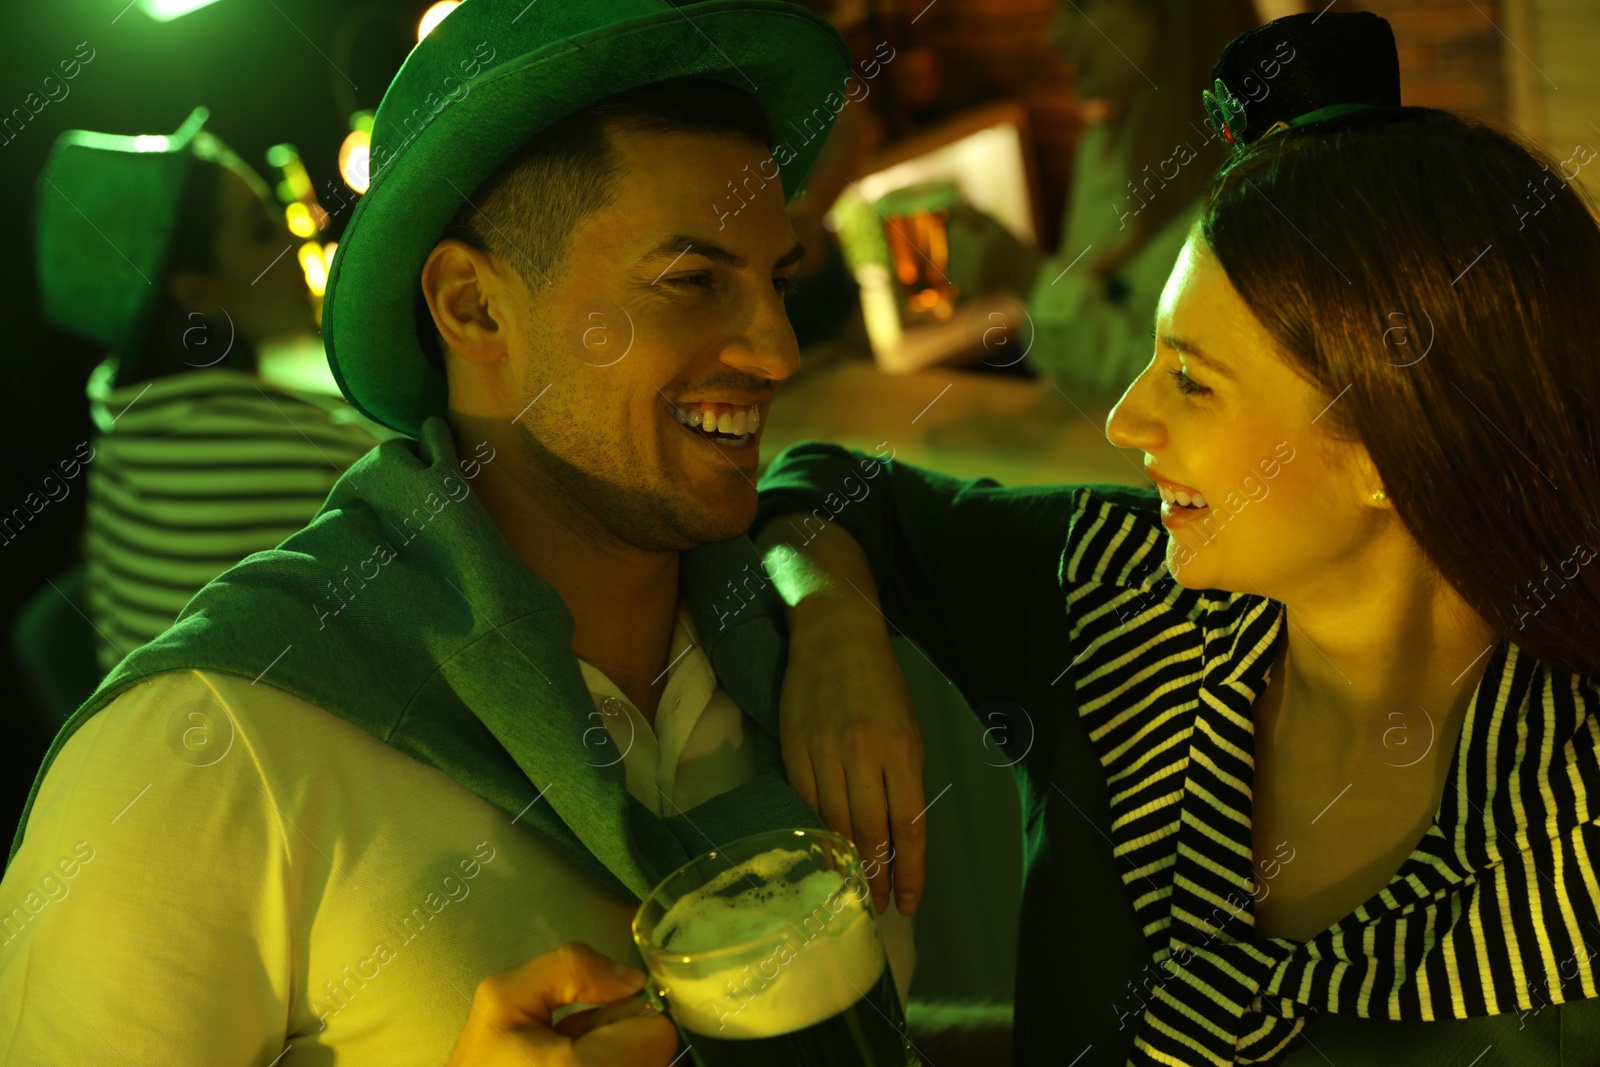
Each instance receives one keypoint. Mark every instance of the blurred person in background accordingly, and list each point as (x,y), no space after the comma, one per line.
(824,297)
(172,253)
(1137,178)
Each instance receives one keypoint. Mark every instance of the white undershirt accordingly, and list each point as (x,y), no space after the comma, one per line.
(701,745)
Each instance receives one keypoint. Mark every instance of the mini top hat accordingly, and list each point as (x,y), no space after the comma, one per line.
(1302,69)
(105,209)
(439,132)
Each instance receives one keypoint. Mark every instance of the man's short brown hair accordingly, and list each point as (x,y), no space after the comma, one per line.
(527,210)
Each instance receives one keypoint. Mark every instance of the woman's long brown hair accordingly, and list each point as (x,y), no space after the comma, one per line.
(1442,281)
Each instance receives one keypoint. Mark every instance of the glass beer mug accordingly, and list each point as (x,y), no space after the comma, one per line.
(767,951)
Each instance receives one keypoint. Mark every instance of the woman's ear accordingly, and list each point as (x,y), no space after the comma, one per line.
(465,294)
(1368,481)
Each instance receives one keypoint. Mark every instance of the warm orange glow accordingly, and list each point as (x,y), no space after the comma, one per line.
(354,158)
(433,16)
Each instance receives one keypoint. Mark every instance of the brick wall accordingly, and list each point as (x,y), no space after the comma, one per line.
(1451,54)
(1552,79)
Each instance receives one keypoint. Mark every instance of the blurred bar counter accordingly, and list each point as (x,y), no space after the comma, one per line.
(1018,431)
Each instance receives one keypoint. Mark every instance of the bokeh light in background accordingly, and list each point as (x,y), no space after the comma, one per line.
(354,157)
(296,183)
(304,215)
(298,216)
(315,266)
(355,152)
(433,16)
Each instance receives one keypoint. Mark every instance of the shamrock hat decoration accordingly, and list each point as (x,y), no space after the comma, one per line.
(1224,110)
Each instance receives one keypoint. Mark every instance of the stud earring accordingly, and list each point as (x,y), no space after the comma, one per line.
(1378,496)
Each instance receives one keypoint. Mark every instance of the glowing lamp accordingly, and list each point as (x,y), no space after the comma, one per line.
(167,10)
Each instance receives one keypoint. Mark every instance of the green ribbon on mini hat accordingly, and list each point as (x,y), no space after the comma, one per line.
(1226,113)
(1321,114)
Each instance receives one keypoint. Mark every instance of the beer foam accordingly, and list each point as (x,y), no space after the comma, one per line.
(817,949)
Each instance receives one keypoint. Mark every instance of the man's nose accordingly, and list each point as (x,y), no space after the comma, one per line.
(767,349)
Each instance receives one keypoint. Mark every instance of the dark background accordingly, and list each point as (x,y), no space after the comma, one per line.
(256,65)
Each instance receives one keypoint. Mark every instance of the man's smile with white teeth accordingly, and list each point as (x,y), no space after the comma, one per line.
(730,419)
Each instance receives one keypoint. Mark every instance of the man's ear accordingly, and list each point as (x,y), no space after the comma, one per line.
(466,296)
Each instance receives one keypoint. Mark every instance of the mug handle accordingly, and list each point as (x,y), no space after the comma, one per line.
(644,1002)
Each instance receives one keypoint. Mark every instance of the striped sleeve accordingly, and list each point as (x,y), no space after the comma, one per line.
(189,475)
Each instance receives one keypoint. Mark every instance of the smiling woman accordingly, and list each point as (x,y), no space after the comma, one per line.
(1327,236)
(1362,315)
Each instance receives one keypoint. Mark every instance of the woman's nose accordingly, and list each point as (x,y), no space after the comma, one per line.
(1132,423)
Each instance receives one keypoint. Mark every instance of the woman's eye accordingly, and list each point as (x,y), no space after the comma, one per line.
(786,285)
(1186,384)
(700,281)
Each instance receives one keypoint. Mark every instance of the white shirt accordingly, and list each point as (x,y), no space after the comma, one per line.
(702,743)
(300,884)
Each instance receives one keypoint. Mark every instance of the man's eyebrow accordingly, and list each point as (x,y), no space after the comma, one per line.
(1193,351)
(680,244)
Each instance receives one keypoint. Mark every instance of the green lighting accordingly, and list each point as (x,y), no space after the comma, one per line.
(167,10)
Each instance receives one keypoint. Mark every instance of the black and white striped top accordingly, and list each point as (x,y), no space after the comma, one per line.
(191,473)
(1489,914)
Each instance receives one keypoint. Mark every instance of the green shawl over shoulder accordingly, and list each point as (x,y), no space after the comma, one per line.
(401,608)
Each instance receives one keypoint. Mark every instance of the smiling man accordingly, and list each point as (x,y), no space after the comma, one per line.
(486,699)
(626,368)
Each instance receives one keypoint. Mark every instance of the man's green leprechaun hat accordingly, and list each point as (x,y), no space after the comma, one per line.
(104,210)
(491,75)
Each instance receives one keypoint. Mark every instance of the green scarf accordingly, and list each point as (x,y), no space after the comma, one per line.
(401,609)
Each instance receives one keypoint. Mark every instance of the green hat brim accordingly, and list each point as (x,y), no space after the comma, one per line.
(786,58)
